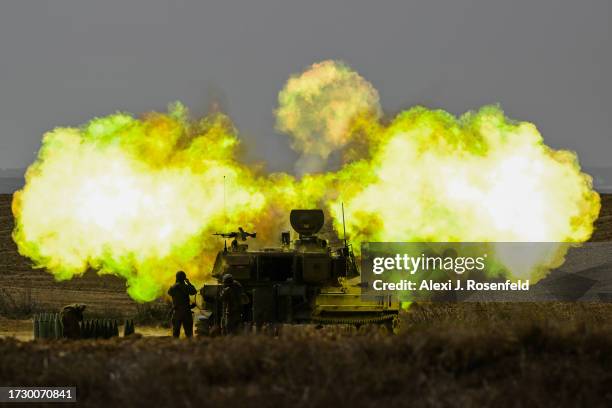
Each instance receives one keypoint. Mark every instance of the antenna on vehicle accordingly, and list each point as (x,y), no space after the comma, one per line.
(351,267)
(224,208)
(343,224)
(224,217)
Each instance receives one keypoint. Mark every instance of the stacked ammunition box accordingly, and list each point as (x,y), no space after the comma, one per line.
(48,326)
(99,329)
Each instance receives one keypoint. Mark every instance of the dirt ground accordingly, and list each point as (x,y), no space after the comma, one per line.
(21,329)
(18,328)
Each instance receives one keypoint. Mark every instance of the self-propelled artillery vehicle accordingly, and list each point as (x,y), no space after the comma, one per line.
(304,281)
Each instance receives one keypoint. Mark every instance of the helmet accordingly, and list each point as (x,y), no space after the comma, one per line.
(228,278)
(181,276)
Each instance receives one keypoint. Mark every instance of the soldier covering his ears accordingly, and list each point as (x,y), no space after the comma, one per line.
(181,304)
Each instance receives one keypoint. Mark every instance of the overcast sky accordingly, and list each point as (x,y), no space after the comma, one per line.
(65,61)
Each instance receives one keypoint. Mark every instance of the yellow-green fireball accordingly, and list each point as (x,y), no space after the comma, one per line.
(140,197)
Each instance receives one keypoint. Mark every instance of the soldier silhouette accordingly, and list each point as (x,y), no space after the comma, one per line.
(72,315)
(182,315)
(232,297)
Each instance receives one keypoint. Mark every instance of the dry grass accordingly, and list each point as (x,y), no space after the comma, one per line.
(16,305)
(448,355)
(158,313)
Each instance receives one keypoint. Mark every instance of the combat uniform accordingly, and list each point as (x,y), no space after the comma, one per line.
(231,297)
(182,315)
(72,315)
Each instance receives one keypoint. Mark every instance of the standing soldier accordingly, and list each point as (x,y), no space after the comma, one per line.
(231,296)
(72,315)
(182,315)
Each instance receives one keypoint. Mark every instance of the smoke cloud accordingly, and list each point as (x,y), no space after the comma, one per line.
(317,107)
(139,197)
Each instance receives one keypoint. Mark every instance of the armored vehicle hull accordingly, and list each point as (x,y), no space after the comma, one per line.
(301,282)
